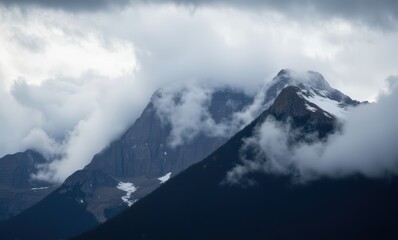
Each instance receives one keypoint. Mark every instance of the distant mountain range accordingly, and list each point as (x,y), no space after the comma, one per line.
(197,203)
(18,190)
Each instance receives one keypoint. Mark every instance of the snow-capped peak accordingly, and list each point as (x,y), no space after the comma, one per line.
(309,79)
(314,88)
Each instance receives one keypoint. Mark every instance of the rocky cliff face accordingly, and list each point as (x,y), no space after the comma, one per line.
(17,190)
(291,105)
(144,150)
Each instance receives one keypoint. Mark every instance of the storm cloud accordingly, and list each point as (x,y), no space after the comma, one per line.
(383,13)
(70,5)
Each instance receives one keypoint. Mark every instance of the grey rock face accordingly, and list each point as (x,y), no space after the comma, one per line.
(17,190)
(144,149)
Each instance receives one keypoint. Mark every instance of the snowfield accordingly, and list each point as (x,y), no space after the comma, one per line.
(325,103)
(129,188)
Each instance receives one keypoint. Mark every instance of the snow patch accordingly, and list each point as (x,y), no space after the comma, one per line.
(331,106)
(327,115)
(39,188)
(164,178)
(129,188)
(312,109)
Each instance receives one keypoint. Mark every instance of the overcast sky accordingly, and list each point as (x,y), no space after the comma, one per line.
(75,74)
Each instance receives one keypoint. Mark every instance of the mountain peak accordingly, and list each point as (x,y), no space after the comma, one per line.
(284,71)
(314,88)
(308,79)
(292,105)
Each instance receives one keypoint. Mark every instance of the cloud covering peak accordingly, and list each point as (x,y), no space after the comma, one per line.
(193,110)
(365,144)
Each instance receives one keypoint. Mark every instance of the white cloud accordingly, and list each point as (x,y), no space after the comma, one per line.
(72,77)
(39,45)
(66,91)
(244,48)
(186,109)
(110,109)
(16,122)
(39,141)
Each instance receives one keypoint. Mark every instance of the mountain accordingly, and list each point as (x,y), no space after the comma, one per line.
(17,190)
(128,169)
(143,158)
(200,203)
